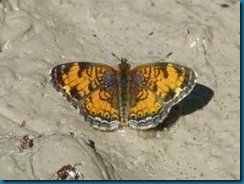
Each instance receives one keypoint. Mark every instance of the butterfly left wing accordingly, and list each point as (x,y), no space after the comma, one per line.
(154,89)
(92,88)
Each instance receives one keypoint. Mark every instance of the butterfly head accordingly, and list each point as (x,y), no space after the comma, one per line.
(124,65)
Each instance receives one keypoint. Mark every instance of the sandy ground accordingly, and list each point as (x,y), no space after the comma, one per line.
(199,140)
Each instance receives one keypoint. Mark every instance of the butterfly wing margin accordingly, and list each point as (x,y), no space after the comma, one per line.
(155,88)
(91,88)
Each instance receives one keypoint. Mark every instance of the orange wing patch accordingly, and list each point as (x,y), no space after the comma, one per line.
(90,87)
(146,104)
(81,78)
(99,105)
(157,87)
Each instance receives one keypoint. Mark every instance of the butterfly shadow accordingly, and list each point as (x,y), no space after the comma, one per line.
(197,99)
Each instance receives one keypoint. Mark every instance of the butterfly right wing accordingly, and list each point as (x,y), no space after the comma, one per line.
(155,88)
(92,88)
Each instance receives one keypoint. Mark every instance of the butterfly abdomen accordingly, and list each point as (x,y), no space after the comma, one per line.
(124,68)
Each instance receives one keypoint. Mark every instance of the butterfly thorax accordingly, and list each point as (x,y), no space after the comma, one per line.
(124,69)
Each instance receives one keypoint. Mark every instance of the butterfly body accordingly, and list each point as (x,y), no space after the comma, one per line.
(124,81)
(108,98)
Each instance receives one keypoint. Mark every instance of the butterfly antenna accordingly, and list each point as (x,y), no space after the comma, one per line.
(150,34)
(168,55)
(106,46)
(114,55)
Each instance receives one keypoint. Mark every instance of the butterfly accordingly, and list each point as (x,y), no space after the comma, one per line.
(140,98)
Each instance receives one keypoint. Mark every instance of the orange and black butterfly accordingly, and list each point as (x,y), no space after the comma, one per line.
(108,98)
